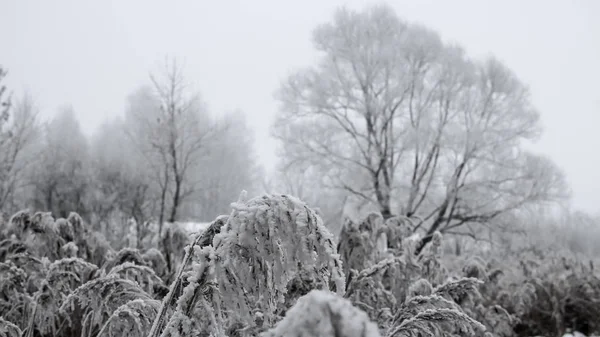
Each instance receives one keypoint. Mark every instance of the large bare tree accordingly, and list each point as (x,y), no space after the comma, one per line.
(412,125)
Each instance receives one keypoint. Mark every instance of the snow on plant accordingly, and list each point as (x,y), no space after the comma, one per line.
(132,319)
(131,255)
(200,290)
(397,229)
(88,306)
(242,275)
(323,313)
(366,291)
(475,267)
(438,313)
(67,274)
(438,322)
(421,287)
(203,240)
(144,276)
(459,290)
(14,299)
(356,246)
(11,246)
(36,232)
(8,329)
(155,259)
(498,321)
(430,260)
(398,276)
(265,243)
(62,277)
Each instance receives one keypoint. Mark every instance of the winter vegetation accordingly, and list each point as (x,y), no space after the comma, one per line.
(404,204)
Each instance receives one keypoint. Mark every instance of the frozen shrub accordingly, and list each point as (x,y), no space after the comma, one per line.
(144,276)
(88,306)
(132,319)
(8,329)
(430,261)
(155,259)
(356,247)
(437,314)
(421,287)
(265,243)
(131,255)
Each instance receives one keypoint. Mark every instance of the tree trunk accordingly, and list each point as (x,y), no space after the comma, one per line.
(161,216)
(176,199)
(434,227)
(383,199)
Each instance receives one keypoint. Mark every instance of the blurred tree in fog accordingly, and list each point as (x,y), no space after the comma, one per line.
(18,131)
(229,167)
(121,183)
(173,131)
(412,125)
(61,175)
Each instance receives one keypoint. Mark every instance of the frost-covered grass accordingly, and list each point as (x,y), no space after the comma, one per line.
(271,268)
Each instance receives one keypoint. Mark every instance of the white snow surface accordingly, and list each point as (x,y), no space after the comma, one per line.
(194,227)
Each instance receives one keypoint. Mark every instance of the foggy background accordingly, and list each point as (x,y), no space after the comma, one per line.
(91,55)
(449,149)
(84,77)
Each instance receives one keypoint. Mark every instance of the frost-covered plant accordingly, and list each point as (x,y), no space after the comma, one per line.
(37,233)
(475,267)
(397,229)
(299,286)
(199,290)
(67,274)
(265,243)
(8,329)
(421,287)
(155,259)
(403,272)
(498,321)
(459,290)
(90,305)
(11,246)
(438,322)
(430,261)
(202,240)
(366,291)
(356,246)
(325,314)
(132,319)
(14,299)
(131,255)
(144,276)
(437,314)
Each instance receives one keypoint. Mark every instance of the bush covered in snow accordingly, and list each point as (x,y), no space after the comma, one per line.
(271,268)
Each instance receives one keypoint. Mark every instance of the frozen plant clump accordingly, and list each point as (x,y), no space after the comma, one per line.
(133,319)
(97,300)
(8,329)
(437,314)
(242,279)
(265,243)
(421,287)
(324,314)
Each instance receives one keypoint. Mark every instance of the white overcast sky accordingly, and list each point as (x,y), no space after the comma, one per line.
(92,54)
